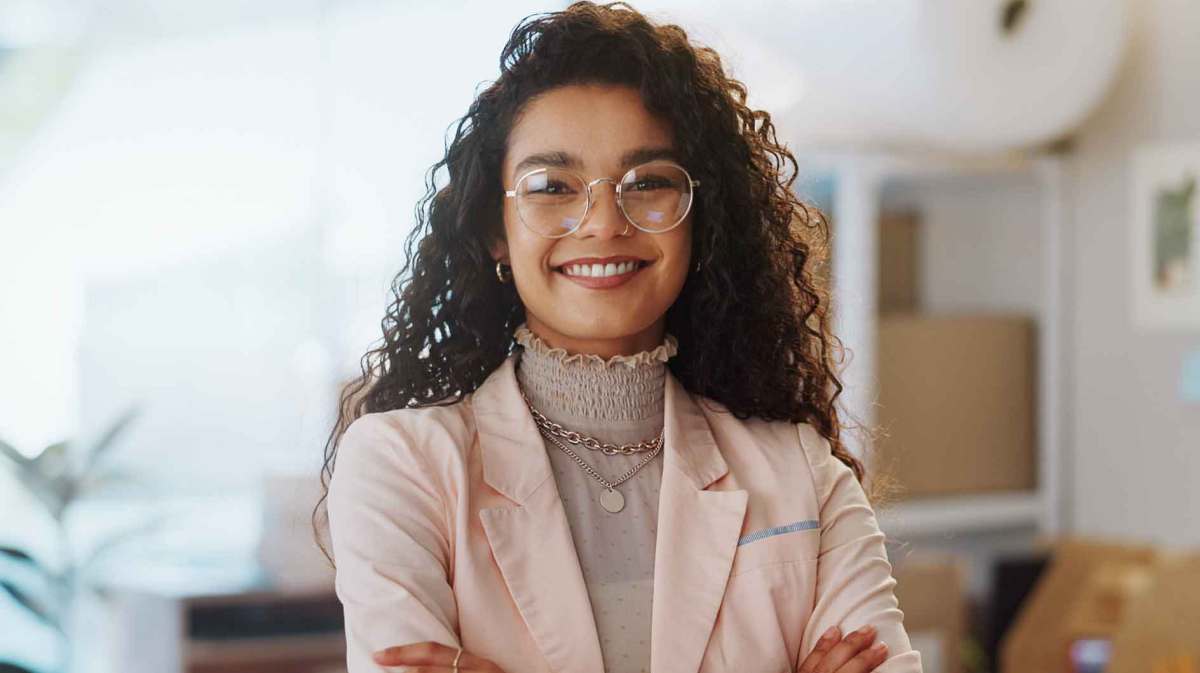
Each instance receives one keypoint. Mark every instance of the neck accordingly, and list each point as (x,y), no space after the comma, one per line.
(603,346)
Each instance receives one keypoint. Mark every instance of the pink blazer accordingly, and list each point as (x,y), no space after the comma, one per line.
(446,525)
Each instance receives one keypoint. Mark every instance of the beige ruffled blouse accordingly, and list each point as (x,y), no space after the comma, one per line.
(617,400)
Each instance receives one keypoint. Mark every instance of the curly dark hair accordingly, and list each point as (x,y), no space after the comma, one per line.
(752,323)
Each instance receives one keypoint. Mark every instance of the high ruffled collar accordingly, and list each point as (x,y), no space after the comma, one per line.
(570,387)
(661,353)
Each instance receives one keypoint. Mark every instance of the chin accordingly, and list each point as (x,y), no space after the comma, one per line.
(622,324)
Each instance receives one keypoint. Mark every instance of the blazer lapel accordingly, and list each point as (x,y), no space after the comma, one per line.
(697,536)
(531,540)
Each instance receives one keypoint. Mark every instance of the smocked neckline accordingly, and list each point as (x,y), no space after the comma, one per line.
(580,389)
(659,354)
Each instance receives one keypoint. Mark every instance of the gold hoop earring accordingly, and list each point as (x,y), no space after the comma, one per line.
(504,278)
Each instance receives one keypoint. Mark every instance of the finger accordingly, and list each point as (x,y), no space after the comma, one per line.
(429,653)
(845,650)
(828,639)
(867,660)
(413,653)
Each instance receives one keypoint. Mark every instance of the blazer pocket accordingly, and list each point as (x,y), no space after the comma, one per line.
(785,543)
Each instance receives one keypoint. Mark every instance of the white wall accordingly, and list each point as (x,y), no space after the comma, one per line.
(1135,458)
(208,224)
(979,241)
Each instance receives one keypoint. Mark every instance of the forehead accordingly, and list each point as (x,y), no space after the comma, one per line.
(599,124)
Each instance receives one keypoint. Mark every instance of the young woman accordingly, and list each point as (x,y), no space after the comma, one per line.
(599,434)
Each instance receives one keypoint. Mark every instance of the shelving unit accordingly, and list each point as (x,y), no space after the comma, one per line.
(859,178)
(985,512)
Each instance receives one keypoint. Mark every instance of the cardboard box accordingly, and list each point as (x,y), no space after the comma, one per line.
(930,589)
(1081,598)
(956,403)
(899,262)
(1160,631)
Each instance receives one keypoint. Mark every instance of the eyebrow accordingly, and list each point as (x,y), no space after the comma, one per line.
(560,159)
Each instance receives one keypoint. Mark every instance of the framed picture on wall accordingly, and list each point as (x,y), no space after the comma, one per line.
(1165,229)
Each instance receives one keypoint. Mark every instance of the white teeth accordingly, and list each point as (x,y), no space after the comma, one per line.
(599,270)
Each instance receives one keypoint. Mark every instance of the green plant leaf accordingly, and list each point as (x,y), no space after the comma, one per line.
(54,468)
(44,612)
(97,451)
(31,585)
(65,489)
(124,536)
(12,454)
(45,492)
(33,480)
(111,479)
(55,462)
(9,667)
(28,577)
(17,554)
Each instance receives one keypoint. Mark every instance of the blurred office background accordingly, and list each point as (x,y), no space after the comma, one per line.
(202,206)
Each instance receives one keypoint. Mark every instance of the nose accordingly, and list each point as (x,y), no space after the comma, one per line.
(604,219)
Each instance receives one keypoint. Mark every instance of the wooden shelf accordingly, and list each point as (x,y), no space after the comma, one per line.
(955,515)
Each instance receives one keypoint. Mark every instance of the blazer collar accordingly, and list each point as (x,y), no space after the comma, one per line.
(696,539)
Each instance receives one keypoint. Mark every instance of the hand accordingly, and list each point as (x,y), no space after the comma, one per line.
(852,654)
(431,657)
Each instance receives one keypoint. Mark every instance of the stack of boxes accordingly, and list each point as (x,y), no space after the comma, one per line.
(956,391)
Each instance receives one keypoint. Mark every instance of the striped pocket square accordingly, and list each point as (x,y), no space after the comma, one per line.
(806,524)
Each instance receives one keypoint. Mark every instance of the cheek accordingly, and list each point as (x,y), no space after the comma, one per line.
(526,250)
(678,249)
(529,254)
(512,226)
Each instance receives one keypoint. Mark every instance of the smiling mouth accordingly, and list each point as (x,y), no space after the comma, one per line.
(601,270)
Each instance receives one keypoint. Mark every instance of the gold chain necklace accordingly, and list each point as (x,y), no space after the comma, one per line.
(610,499)
(590,442)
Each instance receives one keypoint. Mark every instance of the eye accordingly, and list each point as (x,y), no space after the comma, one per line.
(552,187)
(646,183)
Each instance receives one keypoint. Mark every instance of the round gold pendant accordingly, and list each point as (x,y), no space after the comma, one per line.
(612,500)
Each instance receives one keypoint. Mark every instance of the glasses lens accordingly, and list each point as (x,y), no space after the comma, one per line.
(552,201)
(656,196)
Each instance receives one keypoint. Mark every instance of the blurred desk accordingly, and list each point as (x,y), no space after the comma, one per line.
(228,618)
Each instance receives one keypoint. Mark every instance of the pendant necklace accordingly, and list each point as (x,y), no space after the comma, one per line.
(610,498)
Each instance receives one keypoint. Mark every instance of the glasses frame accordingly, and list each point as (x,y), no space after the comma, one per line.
(512,193)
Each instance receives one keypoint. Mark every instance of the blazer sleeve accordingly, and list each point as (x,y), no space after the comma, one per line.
(391,545)
(855,586)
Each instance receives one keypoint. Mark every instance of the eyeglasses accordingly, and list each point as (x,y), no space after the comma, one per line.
(553,202)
